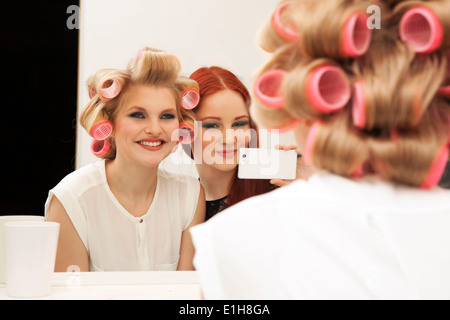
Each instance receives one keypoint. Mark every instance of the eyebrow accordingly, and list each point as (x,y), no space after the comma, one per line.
(216,118)
(143,109)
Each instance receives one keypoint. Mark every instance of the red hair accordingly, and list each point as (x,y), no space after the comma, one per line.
(212,80)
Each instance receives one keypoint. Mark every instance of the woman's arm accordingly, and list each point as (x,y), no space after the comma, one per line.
(187,250)
(71,250)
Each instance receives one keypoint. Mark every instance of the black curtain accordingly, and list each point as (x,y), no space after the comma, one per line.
(39,101)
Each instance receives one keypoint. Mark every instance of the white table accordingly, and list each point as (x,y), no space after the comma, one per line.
(158,285)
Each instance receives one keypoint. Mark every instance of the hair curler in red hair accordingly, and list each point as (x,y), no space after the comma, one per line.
(100,147)
(101,130)
(437,169)
(421,27)
(187,134)
(357,36)
(111,91)
(190,98)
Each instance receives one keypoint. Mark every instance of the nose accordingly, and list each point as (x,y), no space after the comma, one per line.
(229,137)
(153,127)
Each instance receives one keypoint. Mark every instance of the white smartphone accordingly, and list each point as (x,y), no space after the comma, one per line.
(255,163)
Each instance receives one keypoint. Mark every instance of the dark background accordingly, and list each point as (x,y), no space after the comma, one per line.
(38,101)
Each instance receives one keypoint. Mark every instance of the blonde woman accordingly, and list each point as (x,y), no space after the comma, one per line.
(122,213)
(369,116)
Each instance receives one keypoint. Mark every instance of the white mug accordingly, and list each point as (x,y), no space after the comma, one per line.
(30,252)
(3,220)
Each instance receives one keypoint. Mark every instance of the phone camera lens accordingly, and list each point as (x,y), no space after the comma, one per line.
(244,156)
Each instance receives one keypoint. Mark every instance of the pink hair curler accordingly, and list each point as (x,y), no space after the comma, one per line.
(328,89)
(422,28)
(187,134)
(309,146)
(356,35)
(190,98)
(444,91)
(359,106)
(437,169)
(101,130)
(141,54)
(100,147)
(112,91)
(92,93)
(267,88)
(284,32)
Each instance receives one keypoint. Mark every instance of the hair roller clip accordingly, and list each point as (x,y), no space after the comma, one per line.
(141,54)
(328,89)
(112,90)
(100,147)
(284,32)
(310,140)
(267,88)
(359,106)
(101,130)
(357,35)
(437,169)
(190,98)
(187,134)
(422,28)
(92,92)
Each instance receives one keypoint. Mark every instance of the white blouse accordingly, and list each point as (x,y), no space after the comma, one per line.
(115,239)
(329,238)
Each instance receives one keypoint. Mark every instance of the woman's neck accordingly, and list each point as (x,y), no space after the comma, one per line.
(215,182)
(134,186)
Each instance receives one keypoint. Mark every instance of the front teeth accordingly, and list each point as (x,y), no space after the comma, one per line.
(151,144)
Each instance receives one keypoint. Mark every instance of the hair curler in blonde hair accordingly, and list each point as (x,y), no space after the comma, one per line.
(416,156)
(395,90)
(107,83)
(278,29)
(425,24)
(336,146)
(321,87)
(344,33)
(266,108)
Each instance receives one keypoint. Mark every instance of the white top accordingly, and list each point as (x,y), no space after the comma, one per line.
(115,239)
(329,238)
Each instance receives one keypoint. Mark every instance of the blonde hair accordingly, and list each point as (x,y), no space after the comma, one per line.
(405,125)
(152,67)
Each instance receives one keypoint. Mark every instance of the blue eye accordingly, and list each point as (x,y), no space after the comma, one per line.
(210,125)
(138,115)
(240,124)
(168,116)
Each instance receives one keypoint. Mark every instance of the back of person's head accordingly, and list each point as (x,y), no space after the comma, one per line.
(376,98)
(107,88)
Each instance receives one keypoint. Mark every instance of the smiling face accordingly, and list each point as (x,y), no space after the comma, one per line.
(144,125)
(225,120)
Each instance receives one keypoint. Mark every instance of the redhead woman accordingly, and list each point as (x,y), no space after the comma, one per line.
(225,126)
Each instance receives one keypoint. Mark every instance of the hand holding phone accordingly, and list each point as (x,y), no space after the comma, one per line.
(255,163)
